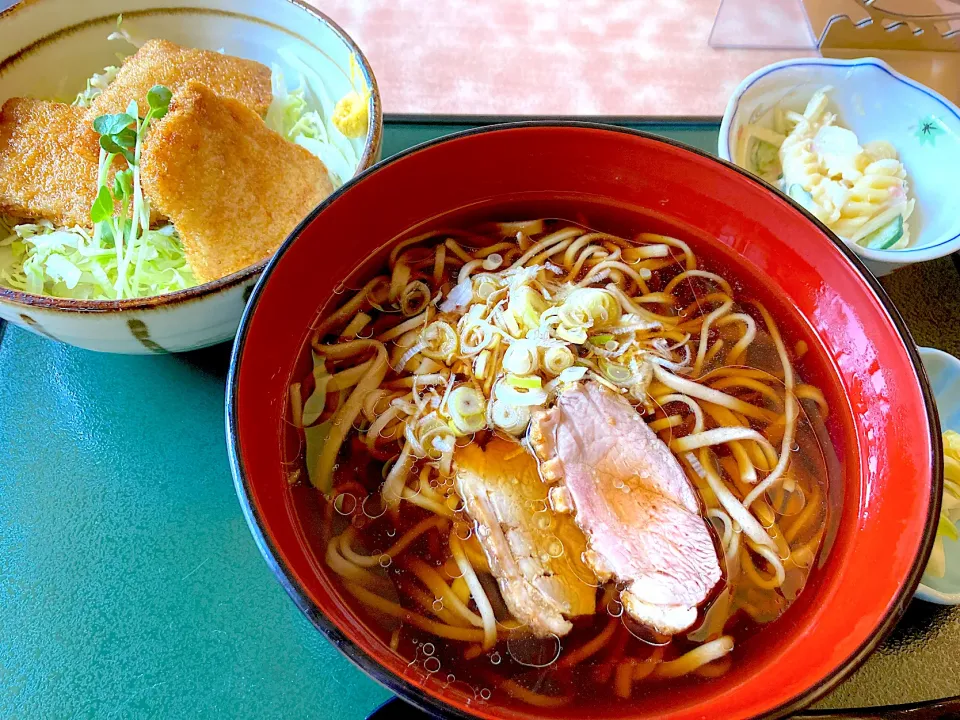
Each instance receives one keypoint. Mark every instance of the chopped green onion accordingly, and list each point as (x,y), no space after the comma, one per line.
(467,410)
(528,382)
(618,373)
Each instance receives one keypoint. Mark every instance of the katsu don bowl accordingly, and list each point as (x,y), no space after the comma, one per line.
(583,423)
(154,155)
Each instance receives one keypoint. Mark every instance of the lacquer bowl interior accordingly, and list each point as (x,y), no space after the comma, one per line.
(885,436)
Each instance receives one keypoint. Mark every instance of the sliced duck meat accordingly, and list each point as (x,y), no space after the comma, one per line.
(534,552)
(633,502)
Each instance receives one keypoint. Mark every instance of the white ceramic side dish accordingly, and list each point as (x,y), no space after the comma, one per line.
(876,103)
(944,372)
(51,47)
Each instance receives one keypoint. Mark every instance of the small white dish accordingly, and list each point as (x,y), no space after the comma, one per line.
(877,103)
(944,372)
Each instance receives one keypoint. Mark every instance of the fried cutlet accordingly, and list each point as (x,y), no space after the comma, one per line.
(233,188)
(41,177)
(161,62)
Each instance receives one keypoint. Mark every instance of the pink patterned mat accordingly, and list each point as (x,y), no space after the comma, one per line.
(547,57)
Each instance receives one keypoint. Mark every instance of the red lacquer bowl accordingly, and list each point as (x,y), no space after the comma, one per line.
(883,422)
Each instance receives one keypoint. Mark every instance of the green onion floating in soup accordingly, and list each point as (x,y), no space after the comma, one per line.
(565,462)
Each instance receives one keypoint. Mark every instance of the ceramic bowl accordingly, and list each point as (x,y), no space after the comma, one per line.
(884,500)
(51,47)
(877,103)
(944,372)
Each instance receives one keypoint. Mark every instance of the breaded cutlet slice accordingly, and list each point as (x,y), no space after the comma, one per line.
(161,62)
(41,176)
(233,187)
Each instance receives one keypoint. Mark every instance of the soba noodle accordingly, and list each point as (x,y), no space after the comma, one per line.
(462,336)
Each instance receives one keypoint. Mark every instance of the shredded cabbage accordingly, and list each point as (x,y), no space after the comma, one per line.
(72,263)
(308,117)
(96,85)
(77,263)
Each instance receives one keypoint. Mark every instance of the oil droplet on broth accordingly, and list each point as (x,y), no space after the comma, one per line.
(374,506)
(615,608)
(345,503)
(786,501)
(495,658)
(533,651)
(643,633)
(555,548)
(385,561)
(431,665)
(544,521)
(391,532)
(428,649)
(453,502)
(485,693)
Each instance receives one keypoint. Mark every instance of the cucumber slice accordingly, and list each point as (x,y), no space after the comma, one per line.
(765,156)
(886,236)
(803,197)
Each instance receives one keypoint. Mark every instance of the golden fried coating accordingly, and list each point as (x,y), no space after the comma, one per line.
(161,62)
(41,177)
(233,188)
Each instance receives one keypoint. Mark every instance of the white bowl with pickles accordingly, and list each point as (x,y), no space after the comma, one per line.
(872,154)
(151,166)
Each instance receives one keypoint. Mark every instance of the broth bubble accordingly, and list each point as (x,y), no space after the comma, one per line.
(385,561)
(391,532)
(431,665)
(495,657)
(485,693)
(428,649)
(438,605)
(533,651)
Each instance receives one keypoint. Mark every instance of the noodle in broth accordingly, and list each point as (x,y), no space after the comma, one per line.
(459,337)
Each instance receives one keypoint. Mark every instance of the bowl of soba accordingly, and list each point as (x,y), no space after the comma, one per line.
(583,423)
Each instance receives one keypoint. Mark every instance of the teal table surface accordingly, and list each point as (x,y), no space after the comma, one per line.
(130,586)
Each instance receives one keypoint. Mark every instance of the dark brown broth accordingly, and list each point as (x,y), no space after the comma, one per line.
(589,682)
